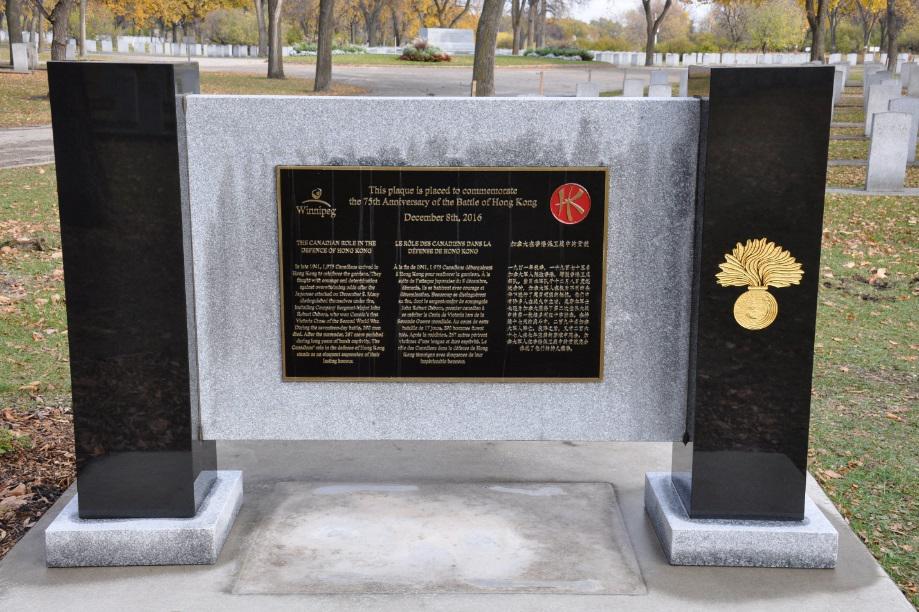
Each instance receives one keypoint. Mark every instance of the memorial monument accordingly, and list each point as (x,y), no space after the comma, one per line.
(257,268)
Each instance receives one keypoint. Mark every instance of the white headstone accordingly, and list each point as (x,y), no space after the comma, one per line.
(591,90)
(869,57)
(660,91)
(879,98)
(32,52)
(123,45)
(909,106)
(684,82)
(633,88)
(835,57)
(838,80)
(20,57)
(658,77)
(70,51)
(852,59)
(106,45)
(888,153)
(637,60)
(90,46)
(908,73)
(872,79)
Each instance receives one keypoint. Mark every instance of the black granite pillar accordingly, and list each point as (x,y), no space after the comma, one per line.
(762,170)
(135,419)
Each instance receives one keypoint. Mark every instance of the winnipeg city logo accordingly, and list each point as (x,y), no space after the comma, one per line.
(316,206)
(758,265)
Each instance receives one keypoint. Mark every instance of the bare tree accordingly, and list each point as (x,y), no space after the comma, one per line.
(398,24)
(275,59)
(653,25)
(324,47)
(262,30)
(59,18)
(486,37)
(732,20)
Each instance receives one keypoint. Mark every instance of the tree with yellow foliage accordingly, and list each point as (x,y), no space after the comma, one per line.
(869,14)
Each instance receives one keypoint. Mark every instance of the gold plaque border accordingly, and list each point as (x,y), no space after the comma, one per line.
(452,379)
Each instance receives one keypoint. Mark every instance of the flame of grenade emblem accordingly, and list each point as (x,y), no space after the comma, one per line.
(758,265)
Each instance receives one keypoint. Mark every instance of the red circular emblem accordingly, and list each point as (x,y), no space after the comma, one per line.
(570,203)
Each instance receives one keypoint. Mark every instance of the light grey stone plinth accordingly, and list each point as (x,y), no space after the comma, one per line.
(811,543)
(73,542)
(650,147)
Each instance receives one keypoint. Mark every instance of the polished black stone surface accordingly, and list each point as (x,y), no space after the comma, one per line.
(762,172)
(115,142)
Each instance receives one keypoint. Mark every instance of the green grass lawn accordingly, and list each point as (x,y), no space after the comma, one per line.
(849,114)
(855,176)
(865,413)
(24,97)
(865,416)
(371,59)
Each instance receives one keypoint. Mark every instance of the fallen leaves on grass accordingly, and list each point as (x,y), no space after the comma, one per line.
(35,470)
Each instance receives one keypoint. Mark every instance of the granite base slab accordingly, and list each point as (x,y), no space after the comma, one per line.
(74,542)
(811,543)
(325,538)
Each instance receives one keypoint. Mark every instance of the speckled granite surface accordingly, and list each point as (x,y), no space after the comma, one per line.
(811,543)
(234,144)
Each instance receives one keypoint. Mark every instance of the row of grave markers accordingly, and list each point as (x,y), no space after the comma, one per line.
(892,124)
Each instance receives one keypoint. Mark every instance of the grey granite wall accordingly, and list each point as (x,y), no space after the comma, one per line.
(234,144)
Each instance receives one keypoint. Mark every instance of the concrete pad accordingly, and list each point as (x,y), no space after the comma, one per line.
(442,538)
(810,543)
(74,542)
(857,584)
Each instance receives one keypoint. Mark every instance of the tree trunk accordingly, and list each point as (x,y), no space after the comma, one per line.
(816,17)
(60,26)
(82,28)
(541,24)
(834,23)
(516,22)
(275,60)
(486,36)
(324,47)
(262,30)
(531,24)
(371,21)
(893,30)
(398,25)
(653,27)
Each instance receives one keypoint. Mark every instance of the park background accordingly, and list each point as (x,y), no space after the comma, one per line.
(864,438)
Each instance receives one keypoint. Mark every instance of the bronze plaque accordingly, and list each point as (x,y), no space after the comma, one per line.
(464,274)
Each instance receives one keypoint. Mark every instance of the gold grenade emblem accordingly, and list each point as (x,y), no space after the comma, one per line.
(758,265)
